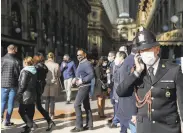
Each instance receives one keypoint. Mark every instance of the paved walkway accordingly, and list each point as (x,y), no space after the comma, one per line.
(65,120)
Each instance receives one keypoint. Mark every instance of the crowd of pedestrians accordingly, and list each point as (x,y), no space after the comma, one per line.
(142,88)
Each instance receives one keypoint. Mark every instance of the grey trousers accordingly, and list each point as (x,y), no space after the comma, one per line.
(83,97)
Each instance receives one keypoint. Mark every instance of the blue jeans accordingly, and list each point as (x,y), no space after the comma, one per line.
(92,87)
(115,119)
(7,95)
(132,127)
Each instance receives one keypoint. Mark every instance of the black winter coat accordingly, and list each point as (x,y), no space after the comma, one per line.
(166,89)
(10,70)
(42,71)
(27,88)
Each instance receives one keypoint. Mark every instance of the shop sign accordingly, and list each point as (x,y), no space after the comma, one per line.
(171,37)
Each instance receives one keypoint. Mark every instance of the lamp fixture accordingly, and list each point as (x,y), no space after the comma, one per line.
(48,40)
(58,42)
(174,19)
(17,30)
(165,28)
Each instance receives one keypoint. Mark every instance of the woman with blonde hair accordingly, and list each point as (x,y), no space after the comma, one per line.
(26,94)
(52,86)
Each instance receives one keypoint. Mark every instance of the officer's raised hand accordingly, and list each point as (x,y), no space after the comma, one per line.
(139,65)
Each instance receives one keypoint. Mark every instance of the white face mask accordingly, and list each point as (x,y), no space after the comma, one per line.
(110,59)
(117,62)
(148,58)
(104,64)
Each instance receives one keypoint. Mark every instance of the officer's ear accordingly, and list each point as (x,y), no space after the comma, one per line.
(157,50)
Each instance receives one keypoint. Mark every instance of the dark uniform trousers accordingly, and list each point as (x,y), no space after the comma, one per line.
(83,97)
(161,116)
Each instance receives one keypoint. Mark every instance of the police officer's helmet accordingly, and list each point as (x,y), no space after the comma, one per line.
(145,39)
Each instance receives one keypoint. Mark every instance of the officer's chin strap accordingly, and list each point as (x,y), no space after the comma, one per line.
(147,99)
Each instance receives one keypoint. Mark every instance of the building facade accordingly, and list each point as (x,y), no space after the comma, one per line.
(165,19)
(59,26)
(99,30)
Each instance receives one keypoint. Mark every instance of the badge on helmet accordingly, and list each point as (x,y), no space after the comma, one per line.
(145,39)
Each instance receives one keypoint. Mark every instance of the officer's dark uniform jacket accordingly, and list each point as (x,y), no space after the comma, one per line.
(161,116)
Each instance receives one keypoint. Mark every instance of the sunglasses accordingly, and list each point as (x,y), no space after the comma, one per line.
(79,55)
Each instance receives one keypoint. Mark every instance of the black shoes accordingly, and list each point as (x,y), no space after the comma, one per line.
(28,130)
(110,121)
(51,124)
(9,124)
(113,126)
(77,129)
(68,102)
(87,128)
(25,127)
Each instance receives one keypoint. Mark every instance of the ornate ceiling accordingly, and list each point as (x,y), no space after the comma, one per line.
(120,8)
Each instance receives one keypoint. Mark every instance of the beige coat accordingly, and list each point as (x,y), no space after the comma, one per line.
(52,87)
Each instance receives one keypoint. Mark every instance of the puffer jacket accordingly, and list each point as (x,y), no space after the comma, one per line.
(27,86)
(10,70)
(42,71)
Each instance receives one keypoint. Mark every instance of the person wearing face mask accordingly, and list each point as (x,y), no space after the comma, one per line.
(84,75)
(126,105)
(120,56)
(158,88)
(104,64)
(109,72)
(68,68)
(101,86)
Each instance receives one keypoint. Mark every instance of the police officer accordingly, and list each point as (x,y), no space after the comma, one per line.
(127,109)
(158,86)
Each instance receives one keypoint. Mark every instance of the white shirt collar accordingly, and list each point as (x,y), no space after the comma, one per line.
(155,66)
